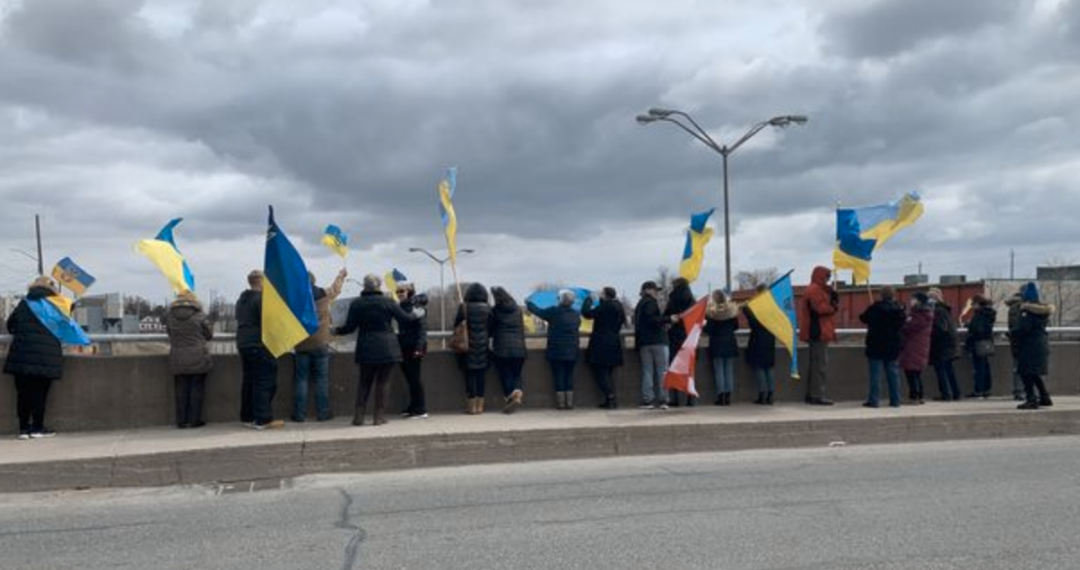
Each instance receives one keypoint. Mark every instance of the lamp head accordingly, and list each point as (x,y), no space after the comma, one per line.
(658,113)
(466,250)
(786,120)
(645,119)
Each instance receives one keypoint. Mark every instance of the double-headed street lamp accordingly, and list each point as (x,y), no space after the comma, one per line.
(695,130)
(442,281)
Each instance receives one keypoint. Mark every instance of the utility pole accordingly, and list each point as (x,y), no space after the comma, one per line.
(37,231)
(1012,264)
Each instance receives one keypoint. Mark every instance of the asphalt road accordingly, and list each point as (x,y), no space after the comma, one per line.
(1012,504)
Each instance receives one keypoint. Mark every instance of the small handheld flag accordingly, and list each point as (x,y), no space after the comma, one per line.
(288,306)
(392,278)
(694,251)
(72,277)
(162,251)
(775,310)
(336,240)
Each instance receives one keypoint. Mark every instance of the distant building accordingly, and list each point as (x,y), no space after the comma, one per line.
(1060,273)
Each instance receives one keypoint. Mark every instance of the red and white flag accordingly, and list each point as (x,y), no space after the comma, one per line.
(680,374)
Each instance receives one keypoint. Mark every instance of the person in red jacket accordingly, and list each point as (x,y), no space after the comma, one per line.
(816,328)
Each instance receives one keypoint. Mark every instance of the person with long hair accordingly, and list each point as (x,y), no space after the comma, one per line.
(721,322)
(680,300)
(605,350)
(506,325)
(475,313)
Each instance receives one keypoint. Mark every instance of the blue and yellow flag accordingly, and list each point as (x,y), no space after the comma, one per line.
(336,240)
(71,276)
(446,210)
(288,307)
(162,251)
(392,278)
(775,310)
(54,313)
(861,231)
(694,252)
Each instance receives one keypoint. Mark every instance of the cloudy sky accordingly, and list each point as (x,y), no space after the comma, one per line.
(117,115)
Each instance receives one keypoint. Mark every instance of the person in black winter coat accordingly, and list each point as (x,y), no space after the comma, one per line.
(476,312)
(412,337)
(943,350)
(721,322)
(563,338)
(650,342)
(1034,348)
(506,325)
(680,300)
(377,347)
(761,355)
(35,358)
(980,332)
(884,319)
(259,383)
(605,350)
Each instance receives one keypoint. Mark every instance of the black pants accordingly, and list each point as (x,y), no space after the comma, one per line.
(914,382)
(411,368)
(1033,382)
(603,373)
(510,374)
(190,389)
(260,385)
(31,393)
(377,375)
(474,382)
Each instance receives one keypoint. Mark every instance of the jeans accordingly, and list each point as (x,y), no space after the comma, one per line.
(562,372)
(892,376)
(259,385)
(914,381)
(724,374)
(819,370)
(474,382)
(981,366)
(603,373)
(190,389)
(766,382)
(509,373)
(31,394)
(316,366)
(946,379)
(654,359)
(417,400)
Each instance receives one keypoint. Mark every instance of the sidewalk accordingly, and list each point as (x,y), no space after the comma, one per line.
(232,454)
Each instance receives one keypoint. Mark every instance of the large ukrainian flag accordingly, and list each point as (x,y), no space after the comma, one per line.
(162,251)
(775,310)
(288,307)
(447,186)
(694,251)
(861,231)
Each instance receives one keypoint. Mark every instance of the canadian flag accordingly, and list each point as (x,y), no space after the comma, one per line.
(680,374)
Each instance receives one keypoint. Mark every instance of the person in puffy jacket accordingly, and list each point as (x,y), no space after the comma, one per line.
(980,330)
(475,313)
(35,358)
(943,349)
(412,336)
(816,311)
(1034,347)
(915,345)
(721,322)
(377,347)
(564,326)
(189,356)
(605,349)
(506,325)
(680,300)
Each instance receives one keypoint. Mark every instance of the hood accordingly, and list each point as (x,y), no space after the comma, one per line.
(820,276)
(505,308)
(37,293)
(1030,292)
(184,310)
(722,311)
(476,293)
(1037,308)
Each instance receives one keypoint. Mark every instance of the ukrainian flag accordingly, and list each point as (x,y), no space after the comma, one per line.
(70,275)
(336,240)
(694,252)
(288,307)
(392,278)
(775,310)
(162,251)
(446,210)
(54,313)
(861,231)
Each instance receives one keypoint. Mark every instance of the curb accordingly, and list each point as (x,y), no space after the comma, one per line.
(271,462)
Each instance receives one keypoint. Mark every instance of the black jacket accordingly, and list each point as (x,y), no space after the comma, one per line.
(478,313)
(883,319)
(981,326)
(721,329)
(605,343)
(34,351)
(761,349)
(372,313)
(249,320)
(1030,336)
(564,324)
(507,328)
(680,300)
(648,323)
(412,334)
(943,335)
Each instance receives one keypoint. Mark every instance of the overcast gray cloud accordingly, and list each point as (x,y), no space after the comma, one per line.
(117,115)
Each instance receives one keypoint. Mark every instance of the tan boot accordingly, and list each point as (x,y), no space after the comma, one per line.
(479,405)
(470,406)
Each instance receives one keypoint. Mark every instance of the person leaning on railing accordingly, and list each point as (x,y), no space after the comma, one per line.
(35,359)
(189,356)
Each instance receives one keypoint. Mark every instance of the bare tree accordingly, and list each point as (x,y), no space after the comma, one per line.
(749,280)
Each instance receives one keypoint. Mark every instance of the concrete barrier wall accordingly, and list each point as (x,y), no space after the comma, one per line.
(120,392)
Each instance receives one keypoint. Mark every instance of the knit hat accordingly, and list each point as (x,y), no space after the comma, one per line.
(45,282)
(1030,292)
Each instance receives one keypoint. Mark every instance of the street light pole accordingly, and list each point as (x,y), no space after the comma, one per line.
(441,261)
(695,130)
(37,232)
